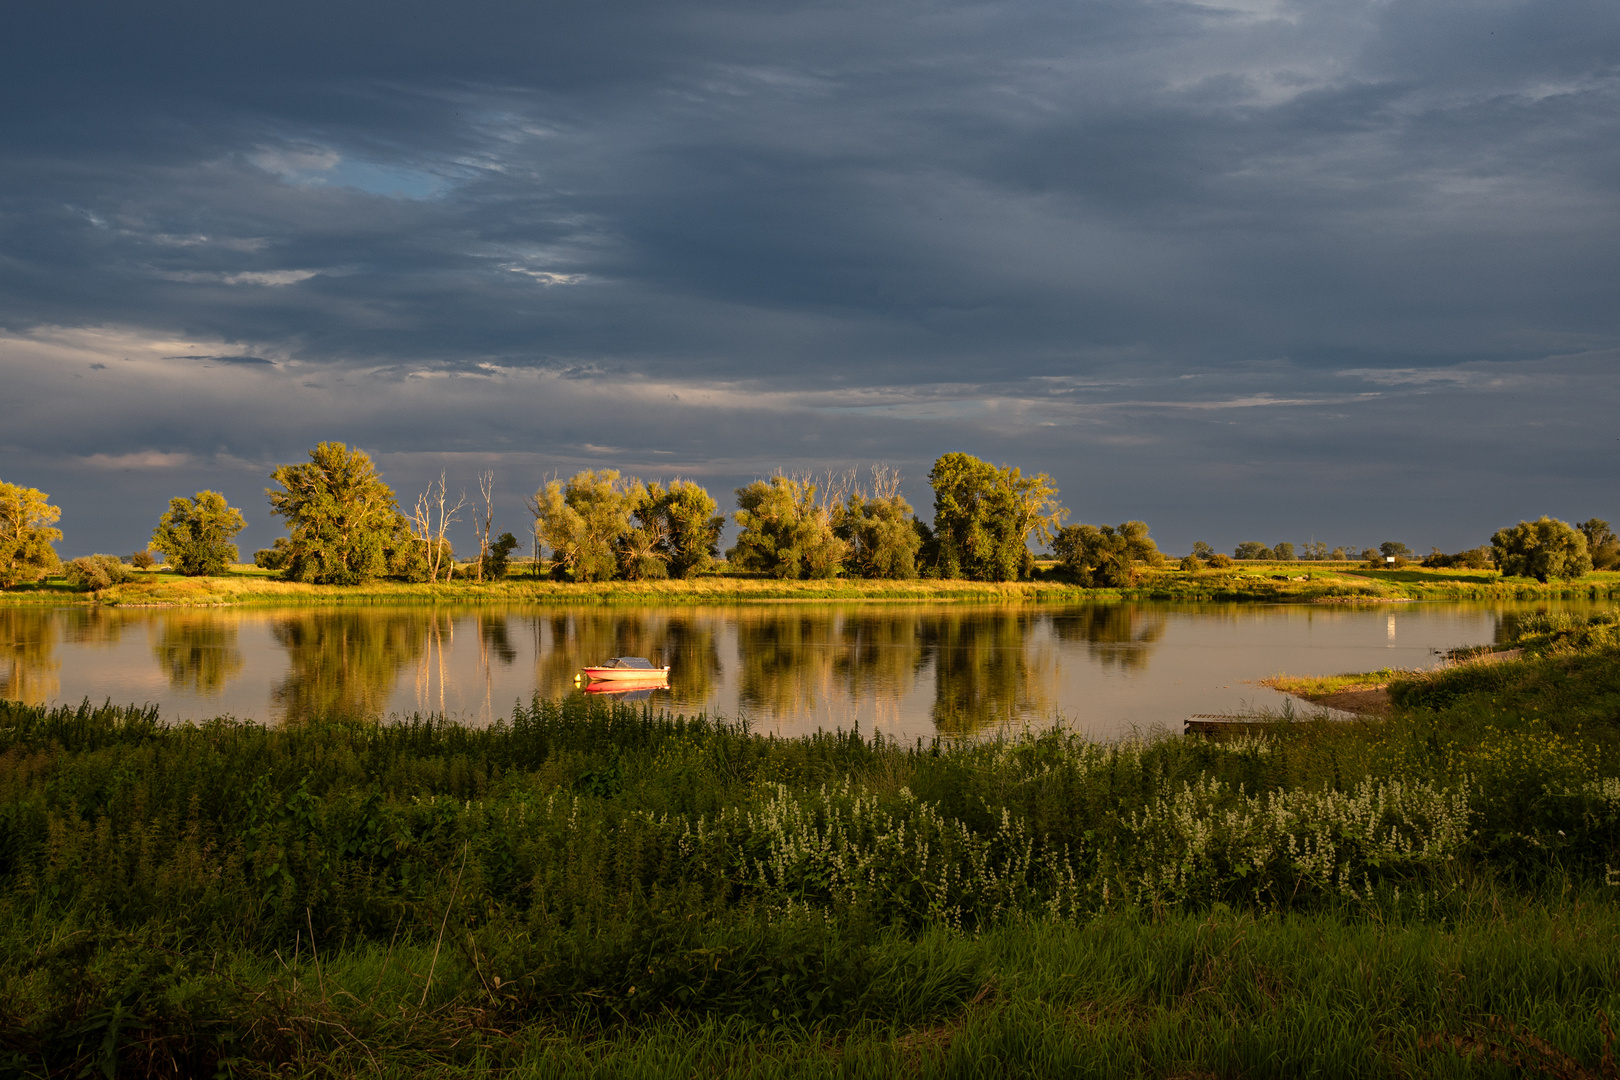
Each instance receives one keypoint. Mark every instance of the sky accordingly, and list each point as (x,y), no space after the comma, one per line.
(1242,269)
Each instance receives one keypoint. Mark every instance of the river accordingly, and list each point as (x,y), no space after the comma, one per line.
(907,669)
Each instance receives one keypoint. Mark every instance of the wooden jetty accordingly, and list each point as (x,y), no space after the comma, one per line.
(1217,726)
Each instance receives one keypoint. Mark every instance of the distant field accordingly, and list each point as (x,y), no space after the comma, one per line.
(1260,581)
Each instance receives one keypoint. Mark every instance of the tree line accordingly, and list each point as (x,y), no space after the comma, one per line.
(345,526)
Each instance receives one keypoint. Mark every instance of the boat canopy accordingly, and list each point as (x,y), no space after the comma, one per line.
(638,662)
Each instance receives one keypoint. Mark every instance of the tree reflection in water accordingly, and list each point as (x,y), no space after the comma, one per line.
(785,660)
(988,669)
(881,651)
(28,663)
(197,651)
(345,663)
(92,625)
(1115,635)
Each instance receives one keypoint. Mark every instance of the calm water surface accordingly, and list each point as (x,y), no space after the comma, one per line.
(907,669)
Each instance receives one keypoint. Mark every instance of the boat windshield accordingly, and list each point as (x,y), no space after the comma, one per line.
(630,662)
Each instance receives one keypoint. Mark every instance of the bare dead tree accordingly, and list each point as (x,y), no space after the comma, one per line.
(431,519)
(885,481)
(486,487)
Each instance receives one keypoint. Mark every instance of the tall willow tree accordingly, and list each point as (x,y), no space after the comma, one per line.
(787,529)
(676,532)
(879,527)
(581,523)
(985,517)
(343,521)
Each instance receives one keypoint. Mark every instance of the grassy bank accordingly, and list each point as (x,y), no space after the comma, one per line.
(589,887)
(1265,582)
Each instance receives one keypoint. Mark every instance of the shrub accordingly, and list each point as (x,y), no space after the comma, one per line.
(1473,559)
(1190,563)
(1220,561)
(1105,557)
(96,572)
(143,560)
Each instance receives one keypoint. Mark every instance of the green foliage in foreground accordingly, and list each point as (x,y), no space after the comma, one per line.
(589,886)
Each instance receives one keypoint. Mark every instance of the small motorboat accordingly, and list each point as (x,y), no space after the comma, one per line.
(636,670)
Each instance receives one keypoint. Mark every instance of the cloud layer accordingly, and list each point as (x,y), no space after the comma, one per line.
(1246,270)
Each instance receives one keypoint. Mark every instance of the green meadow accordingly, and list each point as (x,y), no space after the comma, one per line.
(588,888)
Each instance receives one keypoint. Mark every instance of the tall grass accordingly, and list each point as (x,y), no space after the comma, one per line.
(591,886)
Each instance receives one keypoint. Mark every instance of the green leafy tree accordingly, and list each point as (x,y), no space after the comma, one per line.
(343,520)
(985,517)
(1203,551)
(1283,551)
(1601,544)
(26,535)
(1543,549)
(786,530)
(1252,549)
(1393,549)
(1106,557)
(583,522)
(879,527)
(196,535)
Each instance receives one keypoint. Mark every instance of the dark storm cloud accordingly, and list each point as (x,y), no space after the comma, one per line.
(1238,268)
